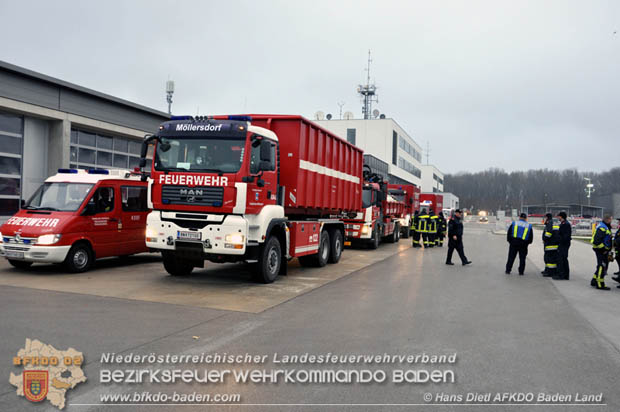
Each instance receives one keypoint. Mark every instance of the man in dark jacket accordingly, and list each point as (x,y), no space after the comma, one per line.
(455,239)
(601,244)
(520,235)
(551,241)
(415,234)
(441,229)
(565,237)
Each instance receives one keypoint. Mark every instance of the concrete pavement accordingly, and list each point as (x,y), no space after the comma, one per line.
(510,333)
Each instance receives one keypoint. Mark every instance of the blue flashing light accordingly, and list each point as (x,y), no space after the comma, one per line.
(181,118)
(6,239)
(98,172)
(67,171)
(241,118)
(26,241)
(165,201)
(216,204)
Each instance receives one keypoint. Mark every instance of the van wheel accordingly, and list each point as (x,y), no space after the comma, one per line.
(20,264)
(336,245)
(79,259)
(175,266)
(269,261)
(376,238)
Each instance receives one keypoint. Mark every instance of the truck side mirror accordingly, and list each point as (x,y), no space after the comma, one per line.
(265,151)
(142,162)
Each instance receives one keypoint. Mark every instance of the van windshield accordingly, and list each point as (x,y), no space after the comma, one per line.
(59,196)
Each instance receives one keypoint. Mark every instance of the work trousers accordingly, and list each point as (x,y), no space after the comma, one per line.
(513,250)
(439,239)
(563,266)
(602,262)
(458,246)
(415,238)
(552,258)
(426,239)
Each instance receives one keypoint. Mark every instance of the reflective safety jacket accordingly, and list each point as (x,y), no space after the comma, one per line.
(423,222)
(414,221)
(520,232)
(601,238)
(441,224)
(551,235)
(433,219)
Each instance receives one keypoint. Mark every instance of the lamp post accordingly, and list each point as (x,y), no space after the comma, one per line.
(589,189)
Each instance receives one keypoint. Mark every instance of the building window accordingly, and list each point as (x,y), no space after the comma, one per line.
(11,148)
(409,167)
(91,150)
(351,136)
(437,179)
(394,147)
(409,148)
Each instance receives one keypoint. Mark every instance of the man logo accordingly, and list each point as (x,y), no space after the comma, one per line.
(190,199)
(35,385)
(18,237)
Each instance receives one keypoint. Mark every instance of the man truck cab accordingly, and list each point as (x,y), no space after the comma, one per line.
(78,216)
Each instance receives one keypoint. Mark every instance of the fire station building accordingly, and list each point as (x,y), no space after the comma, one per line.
(47,124)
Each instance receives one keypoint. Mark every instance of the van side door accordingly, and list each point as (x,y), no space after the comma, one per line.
(102,214)
(133,218)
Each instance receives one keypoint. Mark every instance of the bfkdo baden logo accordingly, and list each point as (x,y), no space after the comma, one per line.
(47,373)
(35,385)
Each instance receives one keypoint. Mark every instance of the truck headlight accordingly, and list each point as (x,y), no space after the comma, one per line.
(365,230)
(151,234)
(48,239)
(235,238)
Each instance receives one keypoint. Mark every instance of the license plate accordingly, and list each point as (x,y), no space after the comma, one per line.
(189,235)
(14,254)
(347,243)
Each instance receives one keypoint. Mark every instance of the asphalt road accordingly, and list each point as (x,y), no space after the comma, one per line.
(510,334)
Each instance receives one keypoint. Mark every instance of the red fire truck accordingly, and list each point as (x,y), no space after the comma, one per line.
(256,188)
(77,216)
(431,201)
(381,217)
(410,196)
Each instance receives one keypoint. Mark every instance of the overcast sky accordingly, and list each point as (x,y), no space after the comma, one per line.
(515,85)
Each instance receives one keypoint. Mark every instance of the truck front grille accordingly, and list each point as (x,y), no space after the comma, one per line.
(199,195)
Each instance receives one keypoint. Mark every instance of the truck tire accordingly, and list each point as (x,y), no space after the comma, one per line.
(396,235)
(406,232)
(79,259)
(175,266)
(376,238)
(320,258)
(269,261)
(336,245)
(20,264)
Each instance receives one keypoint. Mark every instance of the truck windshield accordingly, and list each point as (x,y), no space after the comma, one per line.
(366,197)
(59,196)
(200,154)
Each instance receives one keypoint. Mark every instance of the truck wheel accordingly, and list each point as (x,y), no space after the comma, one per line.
(336,245)
(269,261)
(396,235)
(175,266)
(320,258)
(376,238)
(79,259)
(20,264)
(406,233)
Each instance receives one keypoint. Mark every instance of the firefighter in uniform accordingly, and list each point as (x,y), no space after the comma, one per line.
(551,240)
(520,235)
(423,226)
(441,229)
(617,248)
(601,244)
(415,234)
(432,230)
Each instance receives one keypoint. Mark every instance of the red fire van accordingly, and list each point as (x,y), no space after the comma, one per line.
(78,216)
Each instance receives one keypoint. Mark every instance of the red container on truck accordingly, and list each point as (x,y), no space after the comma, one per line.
(410,196)
(256,188)
(431,201)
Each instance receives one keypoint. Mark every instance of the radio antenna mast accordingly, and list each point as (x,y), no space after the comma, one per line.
(368,92)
